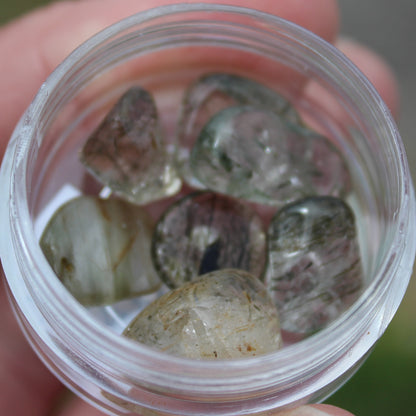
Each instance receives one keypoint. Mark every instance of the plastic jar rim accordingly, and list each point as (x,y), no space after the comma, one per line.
(141,362)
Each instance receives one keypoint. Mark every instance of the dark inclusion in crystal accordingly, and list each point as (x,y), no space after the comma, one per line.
(252,153)
(314,269)
(213,93)
(204,232)
(127,151)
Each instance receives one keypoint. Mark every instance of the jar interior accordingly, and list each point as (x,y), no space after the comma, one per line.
(165,63)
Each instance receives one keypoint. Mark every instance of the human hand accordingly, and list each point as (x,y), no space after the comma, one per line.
(31,47)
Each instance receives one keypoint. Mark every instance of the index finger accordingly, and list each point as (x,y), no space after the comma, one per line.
(36,43)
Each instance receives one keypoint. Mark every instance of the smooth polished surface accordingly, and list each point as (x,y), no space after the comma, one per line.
(314,267)
(204,232)
(222,315)
(127,151)
(100,249)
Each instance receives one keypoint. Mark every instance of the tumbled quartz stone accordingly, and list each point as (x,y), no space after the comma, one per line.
(222,315)
(100,249)
(204,232)
(255,154)
(314,268)
(127,152)
(212,93)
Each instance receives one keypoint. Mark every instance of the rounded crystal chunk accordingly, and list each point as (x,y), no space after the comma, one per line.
(100,249)
(222,315)
(212,93)
(127,152)
(204,232)
(314,267)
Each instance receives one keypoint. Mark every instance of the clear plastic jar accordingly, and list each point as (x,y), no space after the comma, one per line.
(163,50)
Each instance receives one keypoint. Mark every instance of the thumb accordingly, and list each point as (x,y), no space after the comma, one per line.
(315,410)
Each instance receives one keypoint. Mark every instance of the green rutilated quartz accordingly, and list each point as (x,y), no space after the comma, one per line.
(212,93)
(252,153)
(243,151)
(100,249)
(222,315)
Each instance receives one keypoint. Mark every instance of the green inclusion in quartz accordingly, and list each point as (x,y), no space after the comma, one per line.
(255,154)
(212,93)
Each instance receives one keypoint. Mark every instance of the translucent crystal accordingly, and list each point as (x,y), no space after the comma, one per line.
(127,151)
(314,269)
(244,152)
(255,154)
(204,232)
(100,249)
(215,92)
(222,315)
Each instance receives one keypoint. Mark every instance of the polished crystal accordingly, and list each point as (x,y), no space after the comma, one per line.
(127,151)
(255,154)
(223,315)
(314,268)
(212,93)
(100,249)
(204,232)
(246,152)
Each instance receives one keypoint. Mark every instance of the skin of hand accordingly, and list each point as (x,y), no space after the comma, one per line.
(32,47)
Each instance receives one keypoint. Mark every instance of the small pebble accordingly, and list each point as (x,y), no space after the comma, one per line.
(222,315)
(100,250)
(314,270)
(215,92)
(127,151)
(204,232)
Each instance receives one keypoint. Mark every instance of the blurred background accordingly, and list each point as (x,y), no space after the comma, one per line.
(386,384)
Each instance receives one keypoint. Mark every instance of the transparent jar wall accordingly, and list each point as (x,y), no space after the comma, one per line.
(163,51)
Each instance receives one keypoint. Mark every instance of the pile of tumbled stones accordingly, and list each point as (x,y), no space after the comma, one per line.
(239,277)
